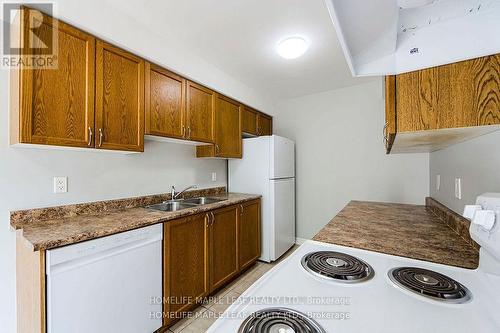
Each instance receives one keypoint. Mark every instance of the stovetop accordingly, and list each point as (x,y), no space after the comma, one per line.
(374,305)
(337,266)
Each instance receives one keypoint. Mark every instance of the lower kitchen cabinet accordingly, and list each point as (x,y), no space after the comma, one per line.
(186,264)
(249,233)
(223,246)
(204,252)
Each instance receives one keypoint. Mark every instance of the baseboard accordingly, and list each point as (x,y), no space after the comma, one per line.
(300,241)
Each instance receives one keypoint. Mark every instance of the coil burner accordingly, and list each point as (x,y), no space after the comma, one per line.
(337,266)
(429,284)
(279,320)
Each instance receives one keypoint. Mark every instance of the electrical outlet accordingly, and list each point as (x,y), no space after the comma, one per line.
(60,184)
(458,188)
(214,176)
(438,182)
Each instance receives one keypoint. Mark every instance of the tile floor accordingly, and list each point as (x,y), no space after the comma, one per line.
(206,314)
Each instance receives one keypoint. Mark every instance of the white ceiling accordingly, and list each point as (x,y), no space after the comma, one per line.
(240,36)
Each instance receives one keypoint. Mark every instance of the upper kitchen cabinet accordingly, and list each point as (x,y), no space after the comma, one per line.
(165,103)
(227,131)
(388,37)
(264,124)
(119,99)
(54,106)
(255,122)
(200,112)
(430,109)
(249,121)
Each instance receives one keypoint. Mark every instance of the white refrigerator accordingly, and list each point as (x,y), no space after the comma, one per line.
(268,168)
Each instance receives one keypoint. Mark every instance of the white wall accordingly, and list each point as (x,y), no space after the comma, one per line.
(26,175)
(340,154)
(476,162)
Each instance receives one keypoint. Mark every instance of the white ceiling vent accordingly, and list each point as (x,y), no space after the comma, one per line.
(397,36)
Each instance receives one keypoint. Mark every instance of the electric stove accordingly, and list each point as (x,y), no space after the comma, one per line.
(308,293)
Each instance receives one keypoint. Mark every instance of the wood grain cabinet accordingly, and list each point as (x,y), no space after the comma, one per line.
(248,233)
(186,264)
(429,109)
(100,96)
(223,246)
(264,124)
(55,106)
(204,252)
(227,131)
(165,103)
(93,98)
(200,112)
(249,121)
(119,99)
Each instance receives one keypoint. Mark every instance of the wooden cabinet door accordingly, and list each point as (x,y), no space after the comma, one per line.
(390,112)
(249,121)
(461,94)
(264,124)
(165,102)
(249,233)
(228,128)
(200,106)
(119,99)
(56,106)
(223,246)
(186,263)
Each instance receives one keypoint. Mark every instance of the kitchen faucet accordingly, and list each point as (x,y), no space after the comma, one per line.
(175,195)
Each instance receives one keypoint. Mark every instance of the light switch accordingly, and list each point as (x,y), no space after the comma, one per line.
(60,184)
(458,188)
(438,182)
(214,176)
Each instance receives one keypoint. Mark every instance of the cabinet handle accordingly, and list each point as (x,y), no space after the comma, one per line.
(241,209)
(101,136)
(217,149)
(91,134)
(213,217)
(183,132)
(207,220)
(189,132)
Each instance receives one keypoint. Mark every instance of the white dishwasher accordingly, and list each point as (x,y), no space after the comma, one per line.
(109,284)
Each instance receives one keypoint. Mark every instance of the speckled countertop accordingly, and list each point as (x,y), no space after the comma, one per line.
(403,230)
(47,234)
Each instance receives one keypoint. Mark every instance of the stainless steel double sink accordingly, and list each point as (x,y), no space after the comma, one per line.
(175,205)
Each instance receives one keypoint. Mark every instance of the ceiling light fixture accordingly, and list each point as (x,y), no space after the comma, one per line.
(292,47)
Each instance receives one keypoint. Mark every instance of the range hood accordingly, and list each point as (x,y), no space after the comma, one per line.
(384,37)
